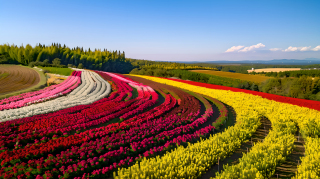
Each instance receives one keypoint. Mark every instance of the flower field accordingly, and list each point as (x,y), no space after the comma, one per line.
(104,125)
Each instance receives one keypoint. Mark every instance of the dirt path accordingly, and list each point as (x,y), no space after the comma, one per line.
(289,167)
(258,136)
(212,118)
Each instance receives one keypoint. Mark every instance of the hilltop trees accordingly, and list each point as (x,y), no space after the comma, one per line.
(104,60)
(57,55)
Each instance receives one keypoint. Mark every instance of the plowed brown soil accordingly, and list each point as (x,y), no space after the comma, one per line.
(15,78)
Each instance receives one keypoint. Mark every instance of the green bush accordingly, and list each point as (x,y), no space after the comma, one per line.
(302,87)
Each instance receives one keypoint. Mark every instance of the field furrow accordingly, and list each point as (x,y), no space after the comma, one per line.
(16,78)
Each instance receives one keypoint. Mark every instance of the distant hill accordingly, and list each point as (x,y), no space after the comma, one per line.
(307,61)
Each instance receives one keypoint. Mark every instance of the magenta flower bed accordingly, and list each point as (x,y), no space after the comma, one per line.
(78,142)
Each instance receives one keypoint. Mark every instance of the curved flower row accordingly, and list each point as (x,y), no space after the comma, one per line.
(310,167)
(51,92)
(138,132)
(52,145)
(92,88)
(282,99)
(87,152)
(85,114)
(61,122)
(96,152)
(223,113)
(172,137)
(302,113)
(143,94)
(196,158)
(9,127)
(25,95)
(137,147)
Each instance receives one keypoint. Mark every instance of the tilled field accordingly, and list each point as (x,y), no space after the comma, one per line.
(15,78)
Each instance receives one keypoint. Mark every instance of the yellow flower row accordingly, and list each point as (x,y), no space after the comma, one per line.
(310,167)
(263,157)
(260,161)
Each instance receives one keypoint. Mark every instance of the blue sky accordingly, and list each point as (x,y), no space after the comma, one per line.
(170,30)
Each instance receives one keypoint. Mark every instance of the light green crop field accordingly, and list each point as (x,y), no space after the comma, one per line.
(56,70)
(253,78)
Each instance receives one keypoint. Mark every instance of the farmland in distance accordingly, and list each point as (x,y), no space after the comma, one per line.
(252,78)
(273,70)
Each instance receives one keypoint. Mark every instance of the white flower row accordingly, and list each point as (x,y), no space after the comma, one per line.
(92,88)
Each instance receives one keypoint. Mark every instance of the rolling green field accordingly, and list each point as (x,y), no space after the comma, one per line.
(56,70)
(253,78)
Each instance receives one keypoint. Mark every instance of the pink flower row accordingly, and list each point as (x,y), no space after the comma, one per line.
(72,126)
(74,121)
(99,145)
(53,91)
(153,151)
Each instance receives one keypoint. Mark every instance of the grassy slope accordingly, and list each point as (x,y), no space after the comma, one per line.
(56,70)
(41,84)
(253,78)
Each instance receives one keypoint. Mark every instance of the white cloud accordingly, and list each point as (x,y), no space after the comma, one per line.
(317,48)
(241,48)
(275,49)
(252,47)
(305,48)
(234,48)
(291,49)
(302,49)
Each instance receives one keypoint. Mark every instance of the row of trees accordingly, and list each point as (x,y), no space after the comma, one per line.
(147,64)
(300,73)
(57,55)
(63,56)
(301,87)
(242,68)
(199,77)
(115,61)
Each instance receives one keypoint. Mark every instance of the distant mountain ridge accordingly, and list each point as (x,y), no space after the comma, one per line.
(307,61)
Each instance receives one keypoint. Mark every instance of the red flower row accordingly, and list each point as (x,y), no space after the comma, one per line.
(295,101)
